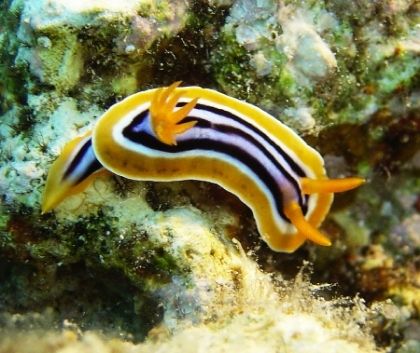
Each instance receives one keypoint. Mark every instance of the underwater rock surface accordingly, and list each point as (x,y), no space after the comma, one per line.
(263,321)
(141,266)
(319,63)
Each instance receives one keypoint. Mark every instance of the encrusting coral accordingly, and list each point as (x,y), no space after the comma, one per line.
(288,56)
(260,318)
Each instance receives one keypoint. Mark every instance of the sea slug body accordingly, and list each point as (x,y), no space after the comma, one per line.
(182,133)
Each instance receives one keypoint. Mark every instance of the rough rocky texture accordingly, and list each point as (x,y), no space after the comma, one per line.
(318,63)
(131,261)
(294,320)
(60,38)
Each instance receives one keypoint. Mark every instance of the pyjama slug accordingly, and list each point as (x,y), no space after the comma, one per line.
(182,133)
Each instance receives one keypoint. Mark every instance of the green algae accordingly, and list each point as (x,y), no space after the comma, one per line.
(61,57)
(85,248)
(399,72)
(12,85)
(359,84)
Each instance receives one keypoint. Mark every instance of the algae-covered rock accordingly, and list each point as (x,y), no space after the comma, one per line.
(294,320)
(65,42)
(339,65)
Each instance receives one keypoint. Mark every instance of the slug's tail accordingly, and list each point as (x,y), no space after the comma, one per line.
(72,172)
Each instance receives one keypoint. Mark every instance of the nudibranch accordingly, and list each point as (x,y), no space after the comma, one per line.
(183,133)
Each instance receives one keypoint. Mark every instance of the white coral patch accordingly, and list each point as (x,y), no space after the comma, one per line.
(301,118)
(45,13)
(65,123)
(310,57)
(261,65)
